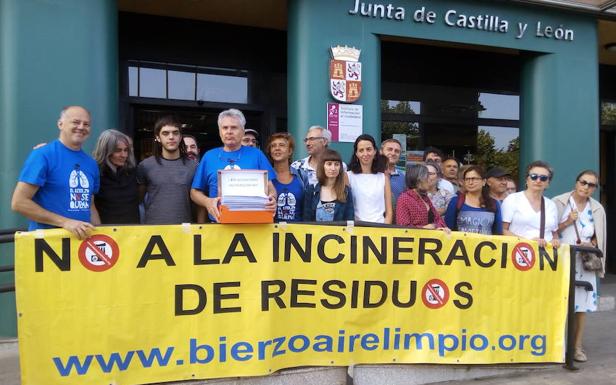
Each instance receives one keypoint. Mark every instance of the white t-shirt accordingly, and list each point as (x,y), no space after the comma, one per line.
(444,184)
(524,221)
(368,196)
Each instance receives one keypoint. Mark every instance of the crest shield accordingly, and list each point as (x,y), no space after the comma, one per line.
(345,74)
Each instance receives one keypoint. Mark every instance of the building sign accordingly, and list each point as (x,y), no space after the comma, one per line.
(345,74)
(344,121)
(458,19)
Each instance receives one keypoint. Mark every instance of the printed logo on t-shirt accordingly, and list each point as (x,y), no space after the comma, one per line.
(286,205)
(479,222)
(79,190)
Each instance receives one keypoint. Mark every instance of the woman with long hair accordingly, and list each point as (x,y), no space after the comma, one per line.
(289,186)
(414,207)
(371,187)
(117,200)
(474,211)
(523,211)
(582,221)
(330,199)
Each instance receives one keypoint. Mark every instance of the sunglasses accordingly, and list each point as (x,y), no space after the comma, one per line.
(543,178)
(585,183)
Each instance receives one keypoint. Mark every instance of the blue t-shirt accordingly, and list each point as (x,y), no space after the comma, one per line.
(398,183)
(246,158)
(67,179)
(474,219)
(290,200)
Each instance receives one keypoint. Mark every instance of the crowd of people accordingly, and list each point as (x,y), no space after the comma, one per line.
(62,186)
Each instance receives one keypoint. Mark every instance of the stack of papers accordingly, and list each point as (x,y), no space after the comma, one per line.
(245,203)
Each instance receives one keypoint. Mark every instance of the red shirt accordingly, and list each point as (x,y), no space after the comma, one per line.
(411,210)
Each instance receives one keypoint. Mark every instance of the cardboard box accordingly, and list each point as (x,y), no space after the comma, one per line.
(228,216)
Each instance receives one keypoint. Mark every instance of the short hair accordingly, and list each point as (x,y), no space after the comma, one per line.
(379,163)
(327,134)
(416,173)
(232,113)
(392,140)
(430,150)
(329,155)
(439,170)
(106,145)
(279,135)
(445,159)
(168,120)
(184,136)
(541,164)
(66,108)
(587,172)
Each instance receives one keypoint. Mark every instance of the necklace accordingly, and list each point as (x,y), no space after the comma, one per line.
(231,162)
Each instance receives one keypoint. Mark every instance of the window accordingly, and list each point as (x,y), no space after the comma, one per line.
(460,106)
(179,82)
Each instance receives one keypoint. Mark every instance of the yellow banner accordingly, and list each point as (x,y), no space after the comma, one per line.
(144,304)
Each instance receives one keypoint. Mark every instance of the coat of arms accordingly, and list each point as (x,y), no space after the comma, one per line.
(345,74)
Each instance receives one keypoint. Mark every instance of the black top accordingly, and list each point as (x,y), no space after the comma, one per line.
(117,200)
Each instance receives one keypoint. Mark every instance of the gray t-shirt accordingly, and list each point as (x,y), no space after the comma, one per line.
(168,189)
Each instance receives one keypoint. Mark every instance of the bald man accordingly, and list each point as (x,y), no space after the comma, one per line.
(57,182)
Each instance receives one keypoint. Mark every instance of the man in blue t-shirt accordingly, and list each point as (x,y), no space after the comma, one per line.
(58,180)
(232,155)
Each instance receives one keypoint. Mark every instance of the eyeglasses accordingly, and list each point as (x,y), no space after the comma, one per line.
(543,178)
(585,183)
(312,139)
(472,179)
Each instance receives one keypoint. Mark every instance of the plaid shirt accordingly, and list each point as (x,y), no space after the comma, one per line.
(411,210)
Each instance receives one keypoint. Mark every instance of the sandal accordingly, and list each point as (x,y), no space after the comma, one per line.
(580,355)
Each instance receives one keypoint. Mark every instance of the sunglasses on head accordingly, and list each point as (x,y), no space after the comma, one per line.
(543,178)
(585,183)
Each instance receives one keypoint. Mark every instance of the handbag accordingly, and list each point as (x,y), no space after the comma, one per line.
(590,261)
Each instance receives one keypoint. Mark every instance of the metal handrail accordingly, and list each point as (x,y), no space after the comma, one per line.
(8,236)
(570,351)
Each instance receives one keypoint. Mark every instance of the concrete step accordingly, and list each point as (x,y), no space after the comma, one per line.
(9,362)
(431,374)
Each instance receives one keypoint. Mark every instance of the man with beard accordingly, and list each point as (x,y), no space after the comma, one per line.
(192,149)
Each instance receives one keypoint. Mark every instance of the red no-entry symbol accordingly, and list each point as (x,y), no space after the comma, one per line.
(523,257)
(99,253)
(435,294)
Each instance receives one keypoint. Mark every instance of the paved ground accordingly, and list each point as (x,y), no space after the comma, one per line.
(600,345)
